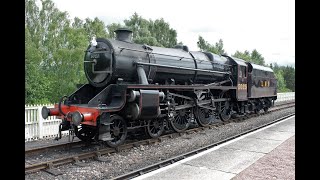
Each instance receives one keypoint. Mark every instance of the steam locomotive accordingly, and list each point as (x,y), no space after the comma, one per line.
(133,86)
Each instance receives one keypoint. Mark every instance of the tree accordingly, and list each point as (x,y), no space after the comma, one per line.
(154,33)
(203,44)
(36,87)
(257,57)
(285,76)
(281,85)
(180,43)
(219,47)
(111,28)
(37,83)
(206,46)
(289,77)
(141,32)
(243,55)
(165,36)
(95,28)
(54,49)
(254,57)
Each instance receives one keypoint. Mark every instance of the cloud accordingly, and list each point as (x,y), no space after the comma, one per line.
(267,26)
(204,29)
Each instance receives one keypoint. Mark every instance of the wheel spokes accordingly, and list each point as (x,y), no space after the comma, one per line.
(225,111)
(85,134)
(181,121)
(155,128)
(118,131)
(204,116)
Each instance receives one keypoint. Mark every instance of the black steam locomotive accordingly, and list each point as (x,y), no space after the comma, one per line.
(133,86)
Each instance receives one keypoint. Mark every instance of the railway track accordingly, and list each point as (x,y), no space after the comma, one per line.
(77,143)
(53,147)
(97,154)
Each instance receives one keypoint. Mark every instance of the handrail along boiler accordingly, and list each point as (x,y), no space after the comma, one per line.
(139,87)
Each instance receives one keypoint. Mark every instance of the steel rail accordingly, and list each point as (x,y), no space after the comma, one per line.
(51,147)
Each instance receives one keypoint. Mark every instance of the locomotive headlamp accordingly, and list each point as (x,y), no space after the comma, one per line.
(76,118)
(93,41)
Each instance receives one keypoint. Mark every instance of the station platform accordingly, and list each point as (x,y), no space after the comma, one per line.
(268,153)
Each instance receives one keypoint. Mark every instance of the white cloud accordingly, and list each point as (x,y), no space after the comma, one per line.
(265,25)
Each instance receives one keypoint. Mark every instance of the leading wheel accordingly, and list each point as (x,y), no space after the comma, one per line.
(204,116)
(85,133)
(118,131)
(155,128)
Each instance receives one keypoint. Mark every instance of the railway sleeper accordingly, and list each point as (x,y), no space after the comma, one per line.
(78,163)
(52,170)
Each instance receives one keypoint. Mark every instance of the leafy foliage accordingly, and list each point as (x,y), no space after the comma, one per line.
(55,44)
(205,46)
(154,33)
(254,57)
(245,55)
(285,76)
(289,77)
(54,48)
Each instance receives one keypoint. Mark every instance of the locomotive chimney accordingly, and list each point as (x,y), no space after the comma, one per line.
(123,34)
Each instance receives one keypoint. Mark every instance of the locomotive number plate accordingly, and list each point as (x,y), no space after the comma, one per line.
(94,55)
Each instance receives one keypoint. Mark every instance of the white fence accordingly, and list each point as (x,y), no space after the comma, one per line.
(285,97)
(38,128)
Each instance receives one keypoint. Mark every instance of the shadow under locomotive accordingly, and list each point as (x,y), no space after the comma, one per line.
(133,87)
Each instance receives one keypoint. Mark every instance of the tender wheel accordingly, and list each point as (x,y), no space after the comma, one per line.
(85,133)
(267,105)
(181,120)
(224,109)
(155,128)
(204,116)
(258,107)
(118,131)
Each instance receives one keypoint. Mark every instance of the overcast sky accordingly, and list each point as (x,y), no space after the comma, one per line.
(266,25)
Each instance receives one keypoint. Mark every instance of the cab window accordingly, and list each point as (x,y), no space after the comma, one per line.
(243,72)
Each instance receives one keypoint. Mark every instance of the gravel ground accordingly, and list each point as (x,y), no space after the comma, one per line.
(278,164)
(138,157)
(47,142)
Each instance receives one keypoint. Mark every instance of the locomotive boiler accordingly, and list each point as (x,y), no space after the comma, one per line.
(136,86)
(107,60)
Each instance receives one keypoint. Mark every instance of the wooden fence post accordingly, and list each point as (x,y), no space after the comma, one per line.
(40,122)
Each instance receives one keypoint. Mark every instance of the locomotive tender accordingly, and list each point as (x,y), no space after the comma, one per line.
(133,86)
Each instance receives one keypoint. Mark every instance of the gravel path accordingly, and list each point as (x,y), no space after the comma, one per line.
(278,164)
(138,157)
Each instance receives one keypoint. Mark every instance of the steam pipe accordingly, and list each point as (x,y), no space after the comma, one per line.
(142,75)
